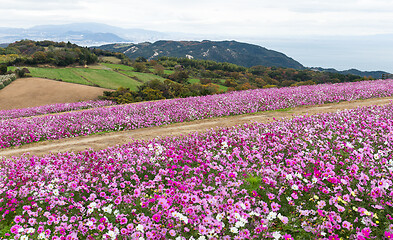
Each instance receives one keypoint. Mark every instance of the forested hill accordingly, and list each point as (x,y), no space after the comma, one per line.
(374,74)
(28,52)
(242,54)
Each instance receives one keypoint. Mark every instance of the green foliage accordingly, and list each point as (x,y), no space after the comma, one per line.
(139,66)
(156,89)
(20,73)
(3,69)
(179,76)
(201,64)
(252,183)
(48,52)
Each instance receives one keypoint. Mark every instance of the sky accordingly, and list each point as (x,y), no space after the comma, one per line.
(284,25)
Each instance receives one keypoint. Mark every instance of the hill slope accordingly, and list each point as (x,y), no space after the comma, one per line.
(242,54)
(374,74)
(32,92)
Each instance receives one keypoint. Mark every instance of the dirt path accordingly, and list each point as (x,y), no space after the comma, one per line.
(31,92)
(102,141)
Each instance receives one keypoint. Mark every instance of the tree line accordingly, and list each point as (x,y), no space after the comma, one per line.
(28,52)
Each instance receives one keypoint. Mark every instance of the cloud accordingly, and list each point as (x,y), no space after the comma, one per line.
(224,17)
(42,5)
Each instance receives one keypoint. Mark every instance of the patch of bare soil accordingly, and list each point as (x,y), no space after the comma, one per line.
(97,142)
(32,92)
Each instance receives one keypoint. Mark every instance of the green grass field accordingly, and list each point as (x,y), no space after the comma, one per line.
(105,75)
(143,77)
(107,78)
(114,60)
(87,76)
(118,67)
(61,74)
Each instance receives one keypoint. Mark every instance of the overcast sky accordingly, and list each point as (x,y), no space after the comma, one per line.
(243,17)
(262,19)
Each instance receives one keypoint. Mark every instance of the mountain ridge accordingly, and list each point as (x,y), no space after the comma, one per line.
(243,54)
(89,34)
(353,71)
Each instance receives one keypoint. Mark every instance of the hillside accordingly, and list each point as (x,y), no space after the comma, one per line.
(373,74)
(166,77)
(31,92)
(238,53)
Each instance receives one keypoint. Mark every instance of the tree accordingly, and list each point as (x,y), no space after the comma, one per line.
(152,94)
(179,76)
(3,69)
(39,57)
(159,69)
(139,66)
(140,59)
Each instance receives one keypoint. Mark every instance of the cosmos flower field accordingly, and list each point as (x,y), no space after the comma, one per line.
(15,132)
(52,108)
(312,177)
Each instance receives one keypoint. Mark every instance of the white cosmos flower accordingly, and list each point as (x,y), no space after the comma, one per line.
(276,235)
(271,216)
(139,228)
(42,235)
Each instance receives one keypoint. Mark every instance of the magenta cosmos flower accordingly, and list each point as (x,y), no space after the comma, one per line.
(156,217)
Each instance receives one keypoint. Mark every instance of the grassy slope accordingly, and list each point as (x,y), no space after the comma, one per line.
(63,74)
(107,78)
(106,75)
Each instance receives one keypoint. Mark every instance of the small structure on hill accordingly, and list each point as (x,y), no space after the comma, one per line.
(387,76)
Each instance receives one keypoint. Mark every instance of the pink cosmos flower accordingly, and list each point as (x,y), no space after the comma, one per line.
(284,220)
(149,235)
(101,227)
(346,225)
(287,236)
(130,226)
(117,201)
(172,232)
(388,235)
(202,230)
(156,217)
(232,175)
(40,229)
(366,232)
(275,206)
(17,219)
(334,237)
(123,220)
(14,229)
(271,196)
(137,192)
(32,221)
